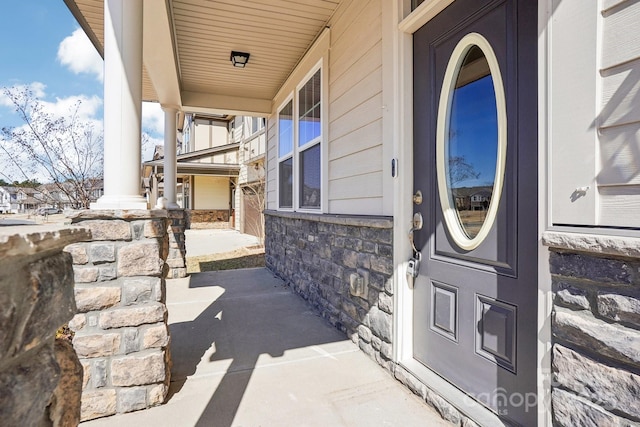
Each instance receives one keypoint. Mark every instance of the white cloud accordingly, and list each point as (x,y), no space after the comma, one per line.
(153,118)
(88,107)
(77,53)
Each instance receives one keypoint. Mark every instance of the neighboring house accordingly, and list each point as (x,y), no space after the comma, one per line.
(208,168)
(531,318)
(28,199)
(94,188)
(18,199)
(5,200)
(54,197)
(250,193)
(220,172)
(25,200)
(480,200)
(471,198)
(13,197)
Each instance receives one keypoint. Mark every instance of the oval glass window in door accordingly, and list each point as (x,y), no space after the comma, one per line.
(471,141)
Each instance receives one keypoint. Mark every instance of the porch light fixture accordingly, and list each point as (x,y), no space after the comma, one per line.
(239,59)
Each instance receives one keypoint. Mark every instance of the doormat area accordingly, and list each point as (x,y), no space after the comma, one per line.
(249,257)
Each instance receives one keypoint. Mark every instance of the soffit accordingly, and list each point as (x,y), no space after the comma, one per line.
(276,33)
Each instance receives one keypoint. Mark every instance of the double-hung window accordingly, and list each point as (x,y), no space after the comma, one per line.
(300,147)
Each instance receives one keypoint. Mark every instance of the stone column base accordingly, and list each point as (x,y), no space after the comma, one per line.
(176,258)
(121,331)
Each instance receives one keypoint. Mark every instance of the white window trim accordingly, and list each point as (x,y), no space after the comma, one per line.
(298,150)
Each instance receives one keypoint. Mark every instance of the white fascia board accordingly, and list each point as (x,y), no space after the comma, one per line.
(209,103)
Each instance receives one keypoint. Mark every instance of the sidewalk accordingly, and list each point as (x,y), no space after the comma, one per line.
(213,241)
(248,352)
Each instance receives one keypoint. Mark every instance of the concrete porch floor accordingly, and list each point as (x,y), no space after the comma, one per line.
(249,352)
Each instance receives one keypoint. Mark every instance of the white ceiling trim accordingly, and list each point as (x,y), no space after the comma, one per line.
(158,55)
(208,103)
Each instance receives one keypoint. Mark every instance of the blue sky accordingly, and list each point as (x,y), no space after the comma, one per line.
(43,47)
(474,123)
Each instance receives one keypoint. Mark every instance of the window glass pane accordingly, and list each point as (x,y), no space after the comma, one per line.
(286,183)
(416,3)
(472,142)
(285,130)
(309,110)
(310,177)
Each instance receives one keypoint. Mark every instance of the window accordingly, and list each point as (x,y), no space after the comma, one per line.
(183,196)
(471,140)
(299,147)
(415,4)
(257,123)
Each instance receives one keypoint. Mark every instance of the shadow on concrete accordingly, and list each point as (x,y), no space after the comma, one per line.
(254,315)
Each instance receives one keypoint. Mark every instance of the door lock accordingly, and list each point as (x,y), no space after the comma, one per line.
(417,198)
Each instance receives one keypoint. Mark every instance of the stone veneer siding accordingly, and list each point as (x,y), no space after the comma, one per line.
(198,219)
(36,298)
(176,257)
(323,257)
(596,329)
(121,333)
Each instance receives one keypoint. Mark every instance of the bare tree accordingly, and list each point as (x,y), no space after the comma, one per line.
(66,151)
(460,170)
(254,199)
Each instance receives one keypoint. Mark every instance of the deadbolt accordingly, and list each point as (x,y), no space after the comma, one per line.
(417,198)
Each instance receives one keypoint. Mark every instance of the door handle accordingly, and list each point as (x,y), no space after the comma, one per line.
(417,224)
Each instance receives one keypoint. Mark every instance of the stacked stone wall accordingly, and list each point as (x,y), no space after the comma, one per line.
(121,333)
(176,257)
(40,377)
(197,219)
(596,330)
(343,266)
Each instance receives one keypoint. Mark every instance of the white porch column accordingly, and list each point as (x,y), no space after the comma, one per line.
(122,106)
(170,162)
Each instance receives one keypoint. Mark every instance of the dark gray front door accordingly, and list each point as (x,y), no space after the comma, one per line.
(475,162)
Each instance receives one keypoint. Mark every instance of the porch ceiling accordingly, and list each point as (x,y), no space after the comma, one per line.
(187,44)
